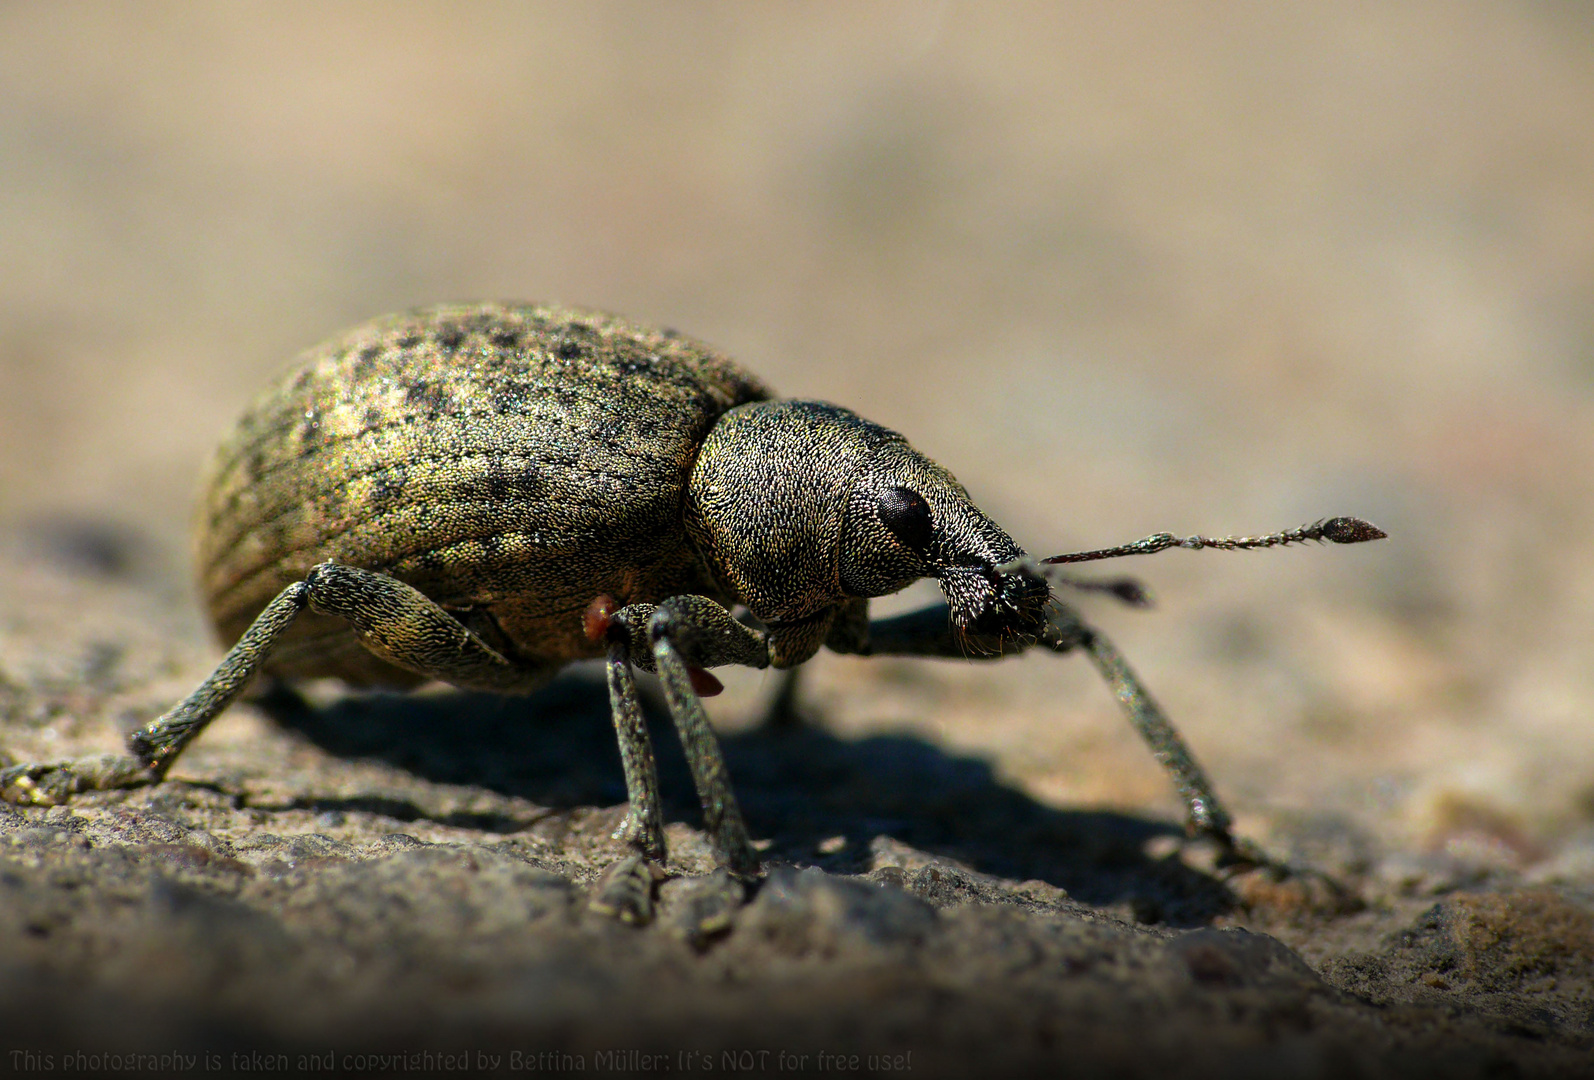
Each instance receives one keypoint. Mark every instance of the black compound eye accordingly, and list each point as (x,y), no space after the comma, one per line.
(907,515)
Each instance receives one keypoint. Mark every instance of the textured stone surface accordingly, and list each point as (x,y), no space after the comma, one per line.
(390,873)
(1121,267)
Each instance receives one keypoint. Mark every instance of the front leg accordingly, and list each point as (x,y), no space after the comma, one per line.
(929,632)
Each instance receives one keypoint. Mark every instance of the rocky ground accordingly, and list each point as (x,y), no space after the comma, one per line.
(380,875)
(1123,268)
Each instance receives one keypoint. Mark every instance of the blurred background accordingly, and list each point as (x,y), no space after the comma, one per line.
(1122,267)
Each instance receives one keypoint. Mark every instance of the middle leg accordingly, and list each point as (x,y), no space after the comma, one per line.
(678,639)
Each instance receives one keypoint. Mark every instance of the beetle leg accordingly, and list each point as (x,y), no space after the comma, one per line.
(722,816)
(925,631)
(1204,813)
(157,745)
(54,782)
(928,632)
(643,828)
(783,713)
(695,632)
(625,891)
(403,626)
(390,618)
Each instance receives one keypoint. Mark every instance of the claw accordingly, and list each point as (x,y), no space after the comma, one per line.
(703,909)
(625,891)
(1266,884)
(53,783)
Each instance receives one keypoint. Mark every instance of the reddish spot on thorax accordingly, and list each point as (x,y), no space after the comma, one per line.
(595,621)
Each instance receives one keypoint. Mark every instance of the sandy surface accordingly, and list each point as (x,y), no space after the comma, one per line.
(1122,268)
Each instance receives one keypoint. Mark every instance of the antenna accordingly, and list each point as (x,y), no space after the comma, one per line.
(1338,530)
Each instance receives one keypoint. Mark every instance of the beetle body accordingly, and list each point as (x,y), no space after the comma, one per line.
(480,494)
(513,463)
(509,462)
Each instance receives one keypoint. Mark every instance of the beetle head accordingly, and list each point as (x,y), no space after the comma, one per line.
(799,505)
(908,518)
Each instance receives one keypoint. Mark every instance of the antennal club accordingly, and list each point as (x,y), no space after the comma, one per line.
(1338,530)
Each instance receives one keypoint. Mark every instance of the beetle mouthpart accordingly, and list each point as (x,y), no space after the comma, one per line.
(996,602)
(1338,530)
(1126,590)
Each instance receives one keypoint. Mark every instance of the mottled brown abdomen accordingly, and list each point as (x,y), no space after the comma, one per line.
(511,462)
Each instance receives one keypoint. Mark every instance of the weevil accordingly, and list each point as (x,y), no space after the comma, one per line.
(481,494)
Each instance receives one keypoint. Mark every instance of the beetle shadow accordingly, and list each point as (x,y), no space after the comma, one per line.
(820,799)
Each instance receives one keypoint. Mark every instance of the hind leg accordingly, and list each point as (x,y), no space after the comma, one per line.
(389,618)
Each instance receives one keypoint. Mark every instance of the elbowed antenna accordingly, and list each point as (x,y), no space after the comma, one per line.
(1339,530)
